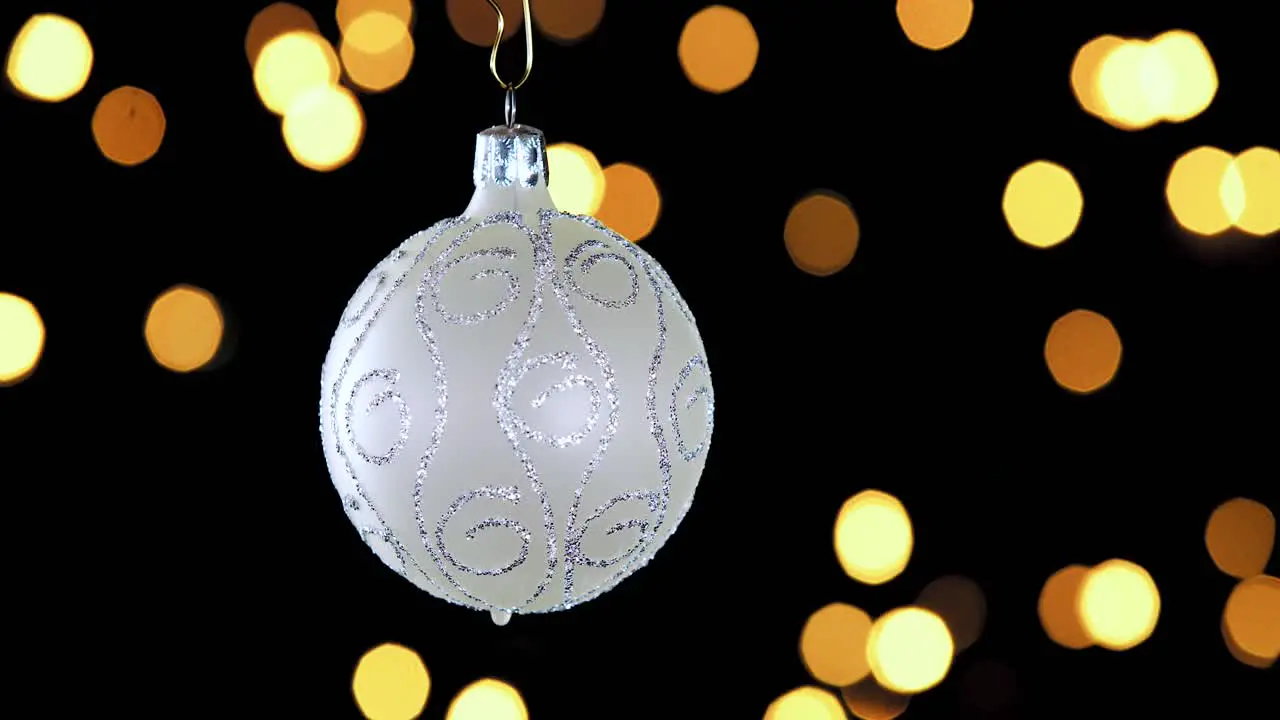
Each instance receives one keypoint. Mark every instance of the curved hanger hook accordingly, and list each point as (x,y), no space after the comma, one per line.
(497,42)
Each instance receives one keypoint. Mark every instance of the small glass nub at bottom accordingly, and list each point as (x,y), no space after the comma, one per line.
(500,617)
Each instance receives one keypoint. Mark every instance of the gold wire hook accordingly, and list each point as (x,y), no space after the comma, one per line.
(497,42)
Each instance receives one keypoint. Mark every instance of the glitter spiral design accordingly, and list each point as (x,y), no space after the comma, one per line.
(389,394)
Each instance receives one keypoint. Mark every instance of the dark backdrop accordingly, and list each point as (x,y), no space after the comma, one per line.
(174,543)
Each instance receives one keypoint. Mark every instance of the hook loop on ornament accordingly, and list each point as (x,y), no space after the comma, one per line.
(497,42)
(509,107)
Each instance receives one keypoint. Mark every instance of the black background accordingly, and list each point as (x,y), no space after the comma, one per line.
(174,543)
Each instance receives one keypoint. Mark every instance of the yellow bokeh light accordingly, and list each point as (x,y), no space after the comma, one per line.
(1256,176)
(821,233)
(718,49)
(873,537)
(1251,620)
(1042,204)
(935,24)
(576,180)
(1195,79)
(1083,351)
(1085,69)
(805,703)
(349,12)
(50,58)
(475,21)
(375,32)
(1119,605)
(631,204)
(379,71)
(833,644)
(1240,537)
(292,65)
(273,21)
(910,650)
(1059,608)
(1195,190)
(184,328)
(869,700)
(21,338)
(391,683)
(128,125)
(1135,85)
(567,21)
(324,128)
(488,699)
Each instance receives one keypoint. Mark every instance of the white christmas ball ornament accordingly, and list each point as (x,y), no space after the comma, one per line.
(516,406)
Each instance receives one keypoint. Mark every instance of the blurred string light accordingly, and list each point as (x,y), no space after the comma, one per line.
(128,125)
(1082,351)
(1209,191)
(1251,621)
(391,683)
(273,21)
(1042,204)
(21,338)
(488,699)
(577,182)
(1119,604)
(1133,84)
(566,21)
(910,650)
(805,703)
(1240,537)
(935,24)
(632,203)
(873,537)
(184,328)
(821,233)
(50,58)
(1058,605)
(475,22)
(291,65)
(324,128)
(869,700)
(718,49)
(377,47)
(833,644)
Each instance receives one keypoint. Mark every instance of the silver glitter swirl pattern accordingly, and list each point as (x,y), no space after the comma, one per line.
(436,275)
(703,391)
(509,494)
(389,394)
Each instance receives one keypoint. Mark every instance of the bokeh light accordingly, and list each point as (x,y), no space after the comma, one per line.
(935,24)
(960,603)
(1195,78)
(273,21)
(477,23)
(718,49)
(873,537)
(391,683)
(184,328)
(833,644)
(400,12)
(1257,172)
(1195,190)
(128,125)
(1083,351)
(577,182)
(631,204)
(869,700)
(1059,608)
(292,65)
(1133,84)
(1042,204)
(567,21)
(1251,621)
(910,650)
(488,699)
(50,58)
(1119,605)
(821,233)
(1241,536)
(805,703)
(1084,73)
(324,128)
(21,338)
(377,51)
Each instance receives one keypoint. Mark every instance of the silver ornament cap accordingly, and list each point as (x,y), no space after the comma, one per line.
(510,156)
